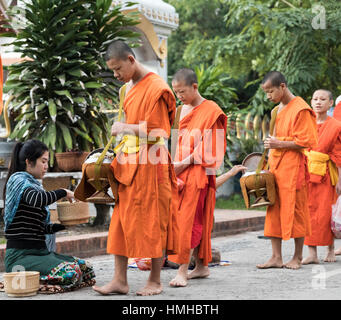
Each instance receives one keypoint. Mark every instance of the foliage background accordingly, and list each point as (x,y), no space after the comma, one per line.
(59,91)
(245,39)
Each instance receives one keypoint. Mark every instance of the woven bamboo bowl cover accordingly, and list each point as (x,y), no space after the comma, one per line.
(73,213)
(21,284)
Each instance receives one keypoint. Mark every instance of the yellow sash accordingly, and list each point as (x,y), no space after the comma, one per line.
(131,144)
(112,139)
(317,164)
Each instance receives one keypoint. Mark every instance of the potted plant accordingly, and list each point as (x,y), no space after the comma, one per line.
(63,84)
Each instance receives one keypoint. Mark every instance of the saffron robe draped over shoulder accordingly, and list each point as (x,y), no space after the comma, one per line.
(322,194)
(203,133)
(144,221)
(289,216)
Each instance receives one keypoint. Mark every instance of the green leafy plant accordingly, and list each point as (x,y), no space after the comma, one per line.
(234,202)
(248,38)
(278,35)
(213,85)
(193,26)
(59,90)
(242,143)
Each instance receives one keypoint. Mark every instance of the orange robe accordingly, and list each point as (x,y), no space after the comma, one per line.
(289,216)
(202,132)
(1,85)
(144,223)
(322,194)
(337,112)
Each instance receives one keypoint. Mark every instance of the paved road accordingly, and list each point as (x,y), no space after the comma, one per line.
(239,281)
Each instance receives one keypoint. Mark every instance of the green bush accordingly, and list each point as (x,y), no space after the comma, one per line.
(60,89)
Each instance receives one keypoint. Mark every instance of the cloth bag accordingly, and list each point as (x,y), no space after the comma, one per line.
(336,218)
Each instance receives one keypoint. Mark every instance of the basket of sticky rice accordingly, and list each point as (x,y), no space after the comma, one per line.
(257,184)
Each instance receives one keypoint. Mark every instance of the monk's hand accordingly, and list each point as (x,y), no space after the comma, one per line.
(338,187)
(179,167)
(117,128)
(272,143)
(235,169)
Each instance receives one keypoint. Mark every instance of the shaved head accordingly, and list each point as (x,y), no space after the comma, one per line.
(330,94)
(186,76)
(118,50)
(275,77)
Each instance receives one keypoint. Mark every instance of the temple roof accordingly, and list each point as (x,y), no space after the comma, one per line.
(156,11)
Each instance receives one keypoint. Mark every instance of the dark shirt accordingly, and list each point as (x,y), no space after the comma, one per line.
(28,228)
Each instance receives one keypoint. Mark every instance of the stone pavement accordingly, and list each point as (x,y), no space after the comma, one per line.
(240,280)
(226,222)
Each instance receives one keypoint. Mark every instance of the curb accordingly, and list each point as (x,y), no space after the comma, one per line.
(95,244)
(231,227)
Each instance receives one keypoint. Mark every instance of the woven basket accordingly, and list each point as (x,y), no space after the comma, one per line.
(50,184)
(21,284)
(54,216)
(73,213)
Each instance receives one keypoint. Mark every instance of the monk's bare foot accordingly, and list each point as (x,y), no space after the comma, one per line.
(338,252)
(272,263)
(199,272)
(150,289)
(294,264)
(330,257)
(179,281)
(311,260)
(112,288)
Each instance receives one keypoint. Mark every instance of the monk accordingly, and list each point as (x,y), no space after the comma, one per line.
(324,185)
(199,152)
(143,223)
(295,130)
(337,109)
(337,116)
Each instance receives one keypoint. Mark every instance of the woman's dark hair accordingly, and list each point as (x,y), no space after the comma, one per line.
(30,150)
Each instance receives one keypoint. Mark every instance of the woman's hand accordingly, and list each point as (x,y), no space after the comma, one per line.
(69,195)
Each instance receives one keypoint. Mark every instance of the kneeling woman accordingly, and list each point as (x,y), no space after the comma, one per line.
(27,222)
